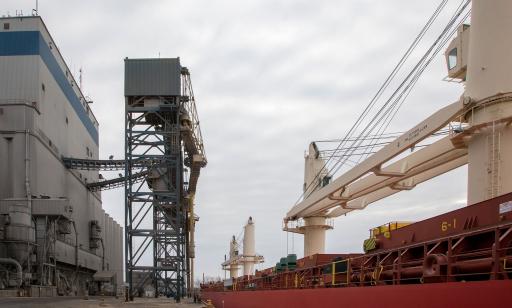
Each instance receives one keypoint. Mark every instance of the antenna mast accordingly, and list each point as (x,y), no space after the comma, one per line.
(80,79)
(35,11)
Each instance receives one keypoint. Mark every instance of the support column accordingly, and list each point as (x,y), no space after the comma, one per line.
(314,235)
(233,271)
(488,75)
(233,253)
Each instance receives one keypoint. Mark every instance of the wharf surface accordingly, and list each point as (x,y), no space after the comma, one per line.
(93,301)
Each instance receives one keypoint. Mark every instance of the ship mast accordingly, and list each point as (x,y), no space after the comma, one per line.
(249,258)
(489,91)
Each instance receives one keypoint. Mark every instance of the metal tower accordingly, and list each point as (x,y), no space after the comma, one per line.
(160,122)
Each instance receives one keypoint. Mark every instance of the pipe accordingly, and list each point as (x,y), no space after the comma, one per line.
(55,272)
(76,250)
(27,168)
(62,277)
(192,275)
(28,191)
(41,257)
(27,163)
(191,242)
(411,272)
(103,256)
(476,266)
(18,267)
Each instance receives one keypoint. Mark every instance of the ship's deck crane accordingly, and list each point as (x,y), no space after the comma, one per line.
(484,63)
(248,259)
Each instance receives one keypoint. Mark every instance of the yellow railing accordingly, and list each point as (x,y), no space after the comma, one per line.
(376,274)
(387,228)
(505,267)
(347,272)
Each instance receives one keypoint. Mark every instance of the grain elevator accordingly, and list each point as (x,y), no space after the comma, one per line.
(55,237)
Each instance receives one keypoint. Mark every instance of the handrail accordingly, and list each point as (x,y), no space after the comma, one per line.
(333,264)
(505,267)
(360,273)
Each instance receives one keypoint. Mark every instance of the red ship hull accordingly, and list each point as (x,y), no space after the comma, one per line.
(495,293)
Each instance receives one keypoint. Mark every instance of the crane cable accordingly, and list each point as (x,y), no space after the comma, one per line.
(380,92)
(383,117)
(406,92)
(382,88)
(442,132)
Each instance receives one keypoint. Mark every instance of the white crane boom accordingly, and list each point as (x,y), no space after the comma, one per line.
(404,184)
(333,193)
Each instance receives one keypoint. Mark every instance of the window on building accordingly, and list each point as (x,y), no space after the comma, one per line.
(452,58)
(43,87)
(326,180)
(7,26)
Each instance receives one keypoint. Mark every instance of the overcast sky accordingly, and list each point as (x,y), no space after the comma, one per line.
(269,77)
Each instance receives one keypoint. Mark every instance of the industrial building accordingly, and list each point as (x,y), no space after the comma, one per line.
(55,237)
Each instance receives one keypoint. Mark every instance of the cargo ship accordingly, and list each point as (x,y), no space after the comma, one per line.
(462,258)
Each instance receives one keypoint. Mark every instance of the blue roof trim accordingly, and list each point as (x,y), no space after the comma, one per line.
(20,43)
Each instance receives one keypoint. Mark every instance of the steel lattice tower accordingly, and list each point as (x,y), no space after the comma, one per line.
(156,209)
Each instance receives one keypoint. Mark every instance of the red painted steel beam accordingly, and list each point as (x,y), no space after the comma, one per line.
(483,214)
